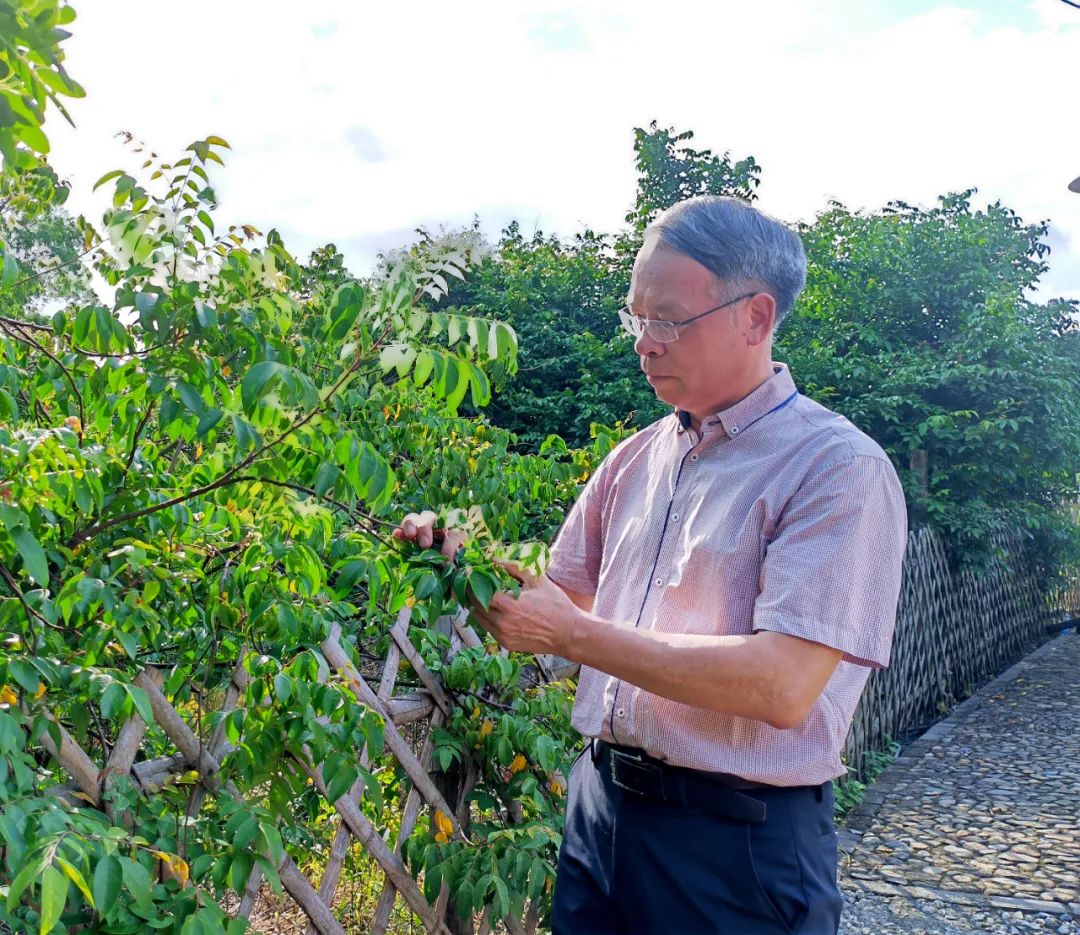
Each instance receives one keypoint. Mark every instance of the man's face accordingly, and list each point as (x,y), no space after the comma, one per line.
(713,357)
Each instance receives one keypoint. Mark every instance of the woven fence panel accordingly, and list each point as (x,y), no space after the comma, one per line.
(955,630)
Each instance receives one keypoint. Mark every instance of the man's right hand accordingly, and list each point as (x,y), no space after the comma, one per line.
(421,529)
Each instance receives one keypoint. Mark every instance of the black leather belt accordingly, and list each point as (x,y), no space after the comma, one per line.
(637,772)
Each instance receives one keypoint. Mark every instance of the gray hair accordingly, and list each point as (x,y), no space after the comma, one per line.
(738,244)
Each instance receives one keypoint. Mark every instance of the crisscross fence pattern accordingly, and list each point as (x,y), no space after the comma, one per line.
(431,706)
(955,629)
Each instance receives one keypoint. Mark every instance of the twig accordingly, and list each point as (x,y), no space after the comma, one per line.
(26,339)
(127,354)
(135,437)
(229,477)
(45,272)
(31,614)
(25,324)
(359,515)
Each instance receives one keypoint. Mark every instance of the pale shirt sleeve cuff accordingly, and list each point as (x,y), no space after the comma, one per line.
(866,654)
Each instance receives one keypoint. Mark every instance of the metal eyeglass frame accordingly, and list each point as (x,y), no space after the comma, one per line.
(661,330)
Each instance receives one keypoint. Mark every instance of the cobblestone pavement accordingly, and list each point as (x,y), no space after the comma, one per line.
(976,827)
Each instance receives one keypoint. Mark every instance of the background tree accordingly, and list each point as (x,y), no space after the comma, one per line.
(577,367)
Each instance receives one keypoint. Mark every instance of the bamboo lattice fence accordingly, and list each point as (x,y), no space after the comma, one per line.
(430,706)
(954,631)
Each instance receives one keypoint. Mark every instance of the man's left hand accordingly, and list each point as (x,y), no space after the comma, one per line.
(539,620)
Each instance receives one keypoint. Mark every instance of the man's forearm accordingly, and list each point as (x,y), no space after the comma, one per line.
(747,676)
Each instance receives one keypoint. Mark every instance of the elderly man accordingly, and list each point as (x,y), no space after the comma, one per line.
(727,580)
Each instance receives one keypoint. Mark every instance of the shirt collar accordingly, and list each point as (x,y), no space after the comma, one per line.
(774,391)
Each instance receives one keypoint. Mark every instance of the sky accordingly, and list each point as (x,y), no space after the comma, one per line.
(355,123)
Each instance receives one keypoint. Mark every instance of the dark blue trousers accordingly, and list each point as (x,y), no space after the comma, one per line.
(631,864)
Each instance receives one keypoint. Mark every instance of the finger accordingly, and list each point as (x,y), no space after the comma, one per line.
(478,616)
(453,539)
(516,571)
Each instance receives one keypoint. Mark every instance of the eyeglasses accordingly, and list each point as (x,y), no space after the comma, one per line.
(664,331)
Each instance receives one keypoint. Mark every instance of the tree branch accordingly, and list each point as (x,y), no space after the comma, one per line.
(51,269)
(15,330)
(230,476)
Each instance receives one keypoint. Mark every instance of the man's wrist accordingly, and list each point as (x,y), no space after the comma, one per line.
(576,627)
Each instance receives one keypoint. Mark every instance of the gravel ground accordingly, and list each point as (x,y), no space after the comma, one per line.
(976,827)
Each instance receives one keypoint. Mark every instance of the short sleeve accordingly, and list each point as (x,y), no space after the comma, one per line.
(832,571)
(578,549)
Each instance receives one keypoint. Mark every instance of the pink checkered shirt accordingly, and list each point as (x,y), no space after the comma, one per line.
(780,515)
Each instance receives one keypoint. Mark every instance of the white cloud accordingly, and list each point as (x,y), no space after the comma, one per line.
(525,110)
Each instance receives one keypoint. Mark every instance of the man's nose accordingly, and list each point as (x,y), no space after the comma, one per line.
(646,346)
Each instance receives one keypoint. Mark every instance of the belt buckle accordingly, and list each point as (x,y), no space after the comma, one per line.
(649,776)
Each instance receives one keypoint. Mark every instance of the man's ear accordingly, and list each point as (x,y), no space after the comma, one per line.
(760,317)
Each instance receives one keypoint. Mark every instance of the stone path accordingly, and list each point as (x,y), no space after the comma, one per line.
(976,827)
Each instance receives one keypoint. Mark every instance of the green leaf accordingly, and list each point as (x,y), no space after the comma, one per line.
(191,398)
(107,879)
(483,588)
(25,674)
(54,890)
(344,309)
(341,782)
(545,752)
(23,879)
(399,356)
(325,477)
(33,555)
(258,380)
(112,700)
(9,271)
(106,177)
(137,880)
(205,314)
(207,421)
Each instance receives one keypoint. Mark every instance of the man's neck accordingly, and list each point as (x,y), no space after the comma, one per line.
(760,376)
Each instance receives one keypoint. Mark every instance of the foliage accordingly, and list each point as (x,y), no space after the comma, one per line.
(669,171)
(575,369)
(209,467)
(46,244)
(32,74)
(916,324)
(561,296)
(848,791)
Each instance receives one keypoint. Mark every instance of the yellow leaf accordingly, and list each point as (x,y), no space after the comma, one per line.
(442,837)
(476,712)
(84,797)
(40,691)
(443,823)
(73,423)
(556,788)
(517,764)
(180,868)
(7,696)
(226,370)
(198,450)
(486,728)
(176,865)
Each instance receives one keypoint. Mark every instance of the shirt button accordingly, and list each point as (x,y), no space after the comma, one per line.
(674,517)
(659,582)
(621,712)
(693,457)
(734,430)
